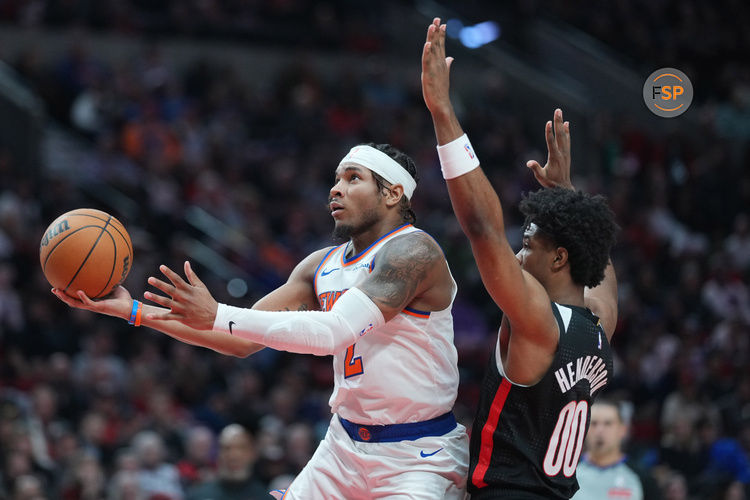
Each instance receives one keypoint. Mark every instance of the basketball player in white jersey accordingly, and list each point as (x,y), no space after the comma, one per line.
(382,308)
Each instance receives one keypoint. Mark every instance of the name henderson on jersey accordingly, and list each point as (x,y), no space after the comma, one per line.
(591,368)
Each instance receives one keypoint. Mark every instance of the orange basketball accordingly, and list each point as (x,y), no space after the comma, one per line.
(86,249)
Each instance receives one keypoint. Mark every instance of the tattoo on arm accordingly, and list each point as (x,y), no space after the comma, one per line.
(302,307)
(400,267)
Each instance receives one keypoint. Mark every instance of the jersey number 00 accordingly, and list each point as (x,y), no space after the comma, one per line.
(565,445)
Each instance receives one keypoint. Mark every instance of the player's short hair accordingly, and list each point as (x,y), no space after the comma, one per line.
(407,214)
(582,223)
(605,401)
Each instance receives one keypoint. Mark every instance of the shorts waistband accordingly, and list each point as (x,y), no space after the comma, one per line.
(399,432)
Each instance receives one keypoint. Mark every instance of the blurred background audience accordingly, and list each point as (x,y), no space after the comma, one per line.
(230,167)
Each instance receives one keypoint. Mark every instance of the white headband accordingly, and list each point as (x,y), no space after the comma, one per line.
(383,165)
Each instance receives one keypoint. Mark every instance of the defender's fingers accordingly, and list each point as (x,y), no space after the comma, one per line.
(175,278)
(161,285)
(440,40)
(426,53)
(448,62)
(566,129)
(158,299)
(164,316)
(549,136)
(431,30)
(536,168)
(191,276)
(559,128)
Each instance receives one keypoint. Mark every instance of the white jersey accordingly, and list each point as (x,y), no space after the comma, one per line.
(404,371)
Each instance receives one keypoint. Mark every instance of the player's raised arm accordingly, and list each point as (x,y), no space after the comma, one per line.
(601,299)
(476,204)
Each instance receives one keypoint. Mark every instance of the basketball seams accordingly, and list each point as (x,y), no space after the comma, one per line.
(114,263)
(103,228)
(122,233)
(71,233)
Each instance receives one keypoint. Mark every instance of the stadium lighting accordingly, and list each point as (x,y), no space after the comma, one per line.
(473,37)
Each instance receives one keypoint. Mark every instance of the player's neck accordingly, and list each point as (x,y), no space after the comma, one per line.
(607,459)
(566,293)
(360,242)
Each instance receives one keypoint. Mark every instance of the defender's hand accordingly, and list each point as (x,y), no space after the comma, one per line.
(556,173)
(189,302)
(436,69)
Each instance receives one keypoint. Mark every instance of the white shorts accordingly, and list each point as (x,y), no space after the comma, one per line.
(428,468)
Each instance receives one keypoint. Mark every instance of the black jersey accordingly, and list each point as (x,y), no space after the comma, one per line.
(526,441)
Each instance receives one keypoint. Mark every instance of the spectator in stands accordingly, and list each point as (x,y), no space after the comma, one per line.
(197,466)
(155,475)
(235,478)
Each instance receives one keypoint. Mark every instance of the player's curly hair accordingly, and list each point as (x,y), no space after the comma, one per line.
(407,214)
(582,223)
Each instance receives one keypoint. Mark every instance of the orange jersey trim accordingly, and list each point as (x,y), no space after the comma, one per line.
(416,313)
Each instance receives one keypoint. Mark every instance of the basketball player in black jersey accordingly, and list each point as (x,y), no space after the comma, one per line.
(558,295)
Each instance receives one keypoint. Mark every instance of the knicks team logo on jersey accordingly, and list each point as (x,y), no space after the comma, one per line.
(591,368)
(327,299)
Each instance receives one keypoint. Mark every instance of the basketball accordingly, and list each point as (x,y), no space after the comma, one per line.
(86,249)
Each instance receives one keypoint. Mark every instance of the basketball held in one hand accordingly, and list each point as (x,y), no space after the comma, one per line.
(86,249)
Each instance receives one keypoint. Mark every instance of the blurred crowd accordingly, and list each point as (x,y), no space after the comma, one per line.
(91,408)
(332,24)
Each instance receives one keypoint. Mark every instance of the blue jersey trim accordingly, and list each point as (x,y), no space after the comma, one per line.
(399,432)
(417,312)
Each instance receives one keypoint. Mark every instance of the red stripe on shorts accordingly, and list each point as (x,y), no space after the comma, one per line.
(487,442)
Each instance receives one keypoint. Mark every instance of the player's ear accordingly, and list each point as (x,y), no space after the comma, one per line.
(394,194)
(560,259)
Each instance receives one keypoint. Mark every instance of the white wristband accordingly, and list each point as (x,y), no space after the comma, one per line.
(457,158)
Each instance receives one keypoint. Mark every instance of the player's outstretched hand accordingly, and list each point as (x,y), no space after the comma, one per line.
(118,303)
(436,69)
(556,173)
(189,302)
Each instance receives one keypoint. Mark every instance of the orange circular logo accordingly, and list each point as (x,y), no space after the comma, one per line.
(364,434)
(668,92)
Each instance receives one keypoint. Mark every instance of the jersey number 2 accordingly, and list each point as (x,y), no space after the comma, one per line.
(352,365)
(565,445)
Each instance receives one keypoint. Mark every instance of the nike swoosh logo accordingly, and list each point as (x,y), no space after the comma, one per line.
(230,327)
(325,273)
(425,455)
